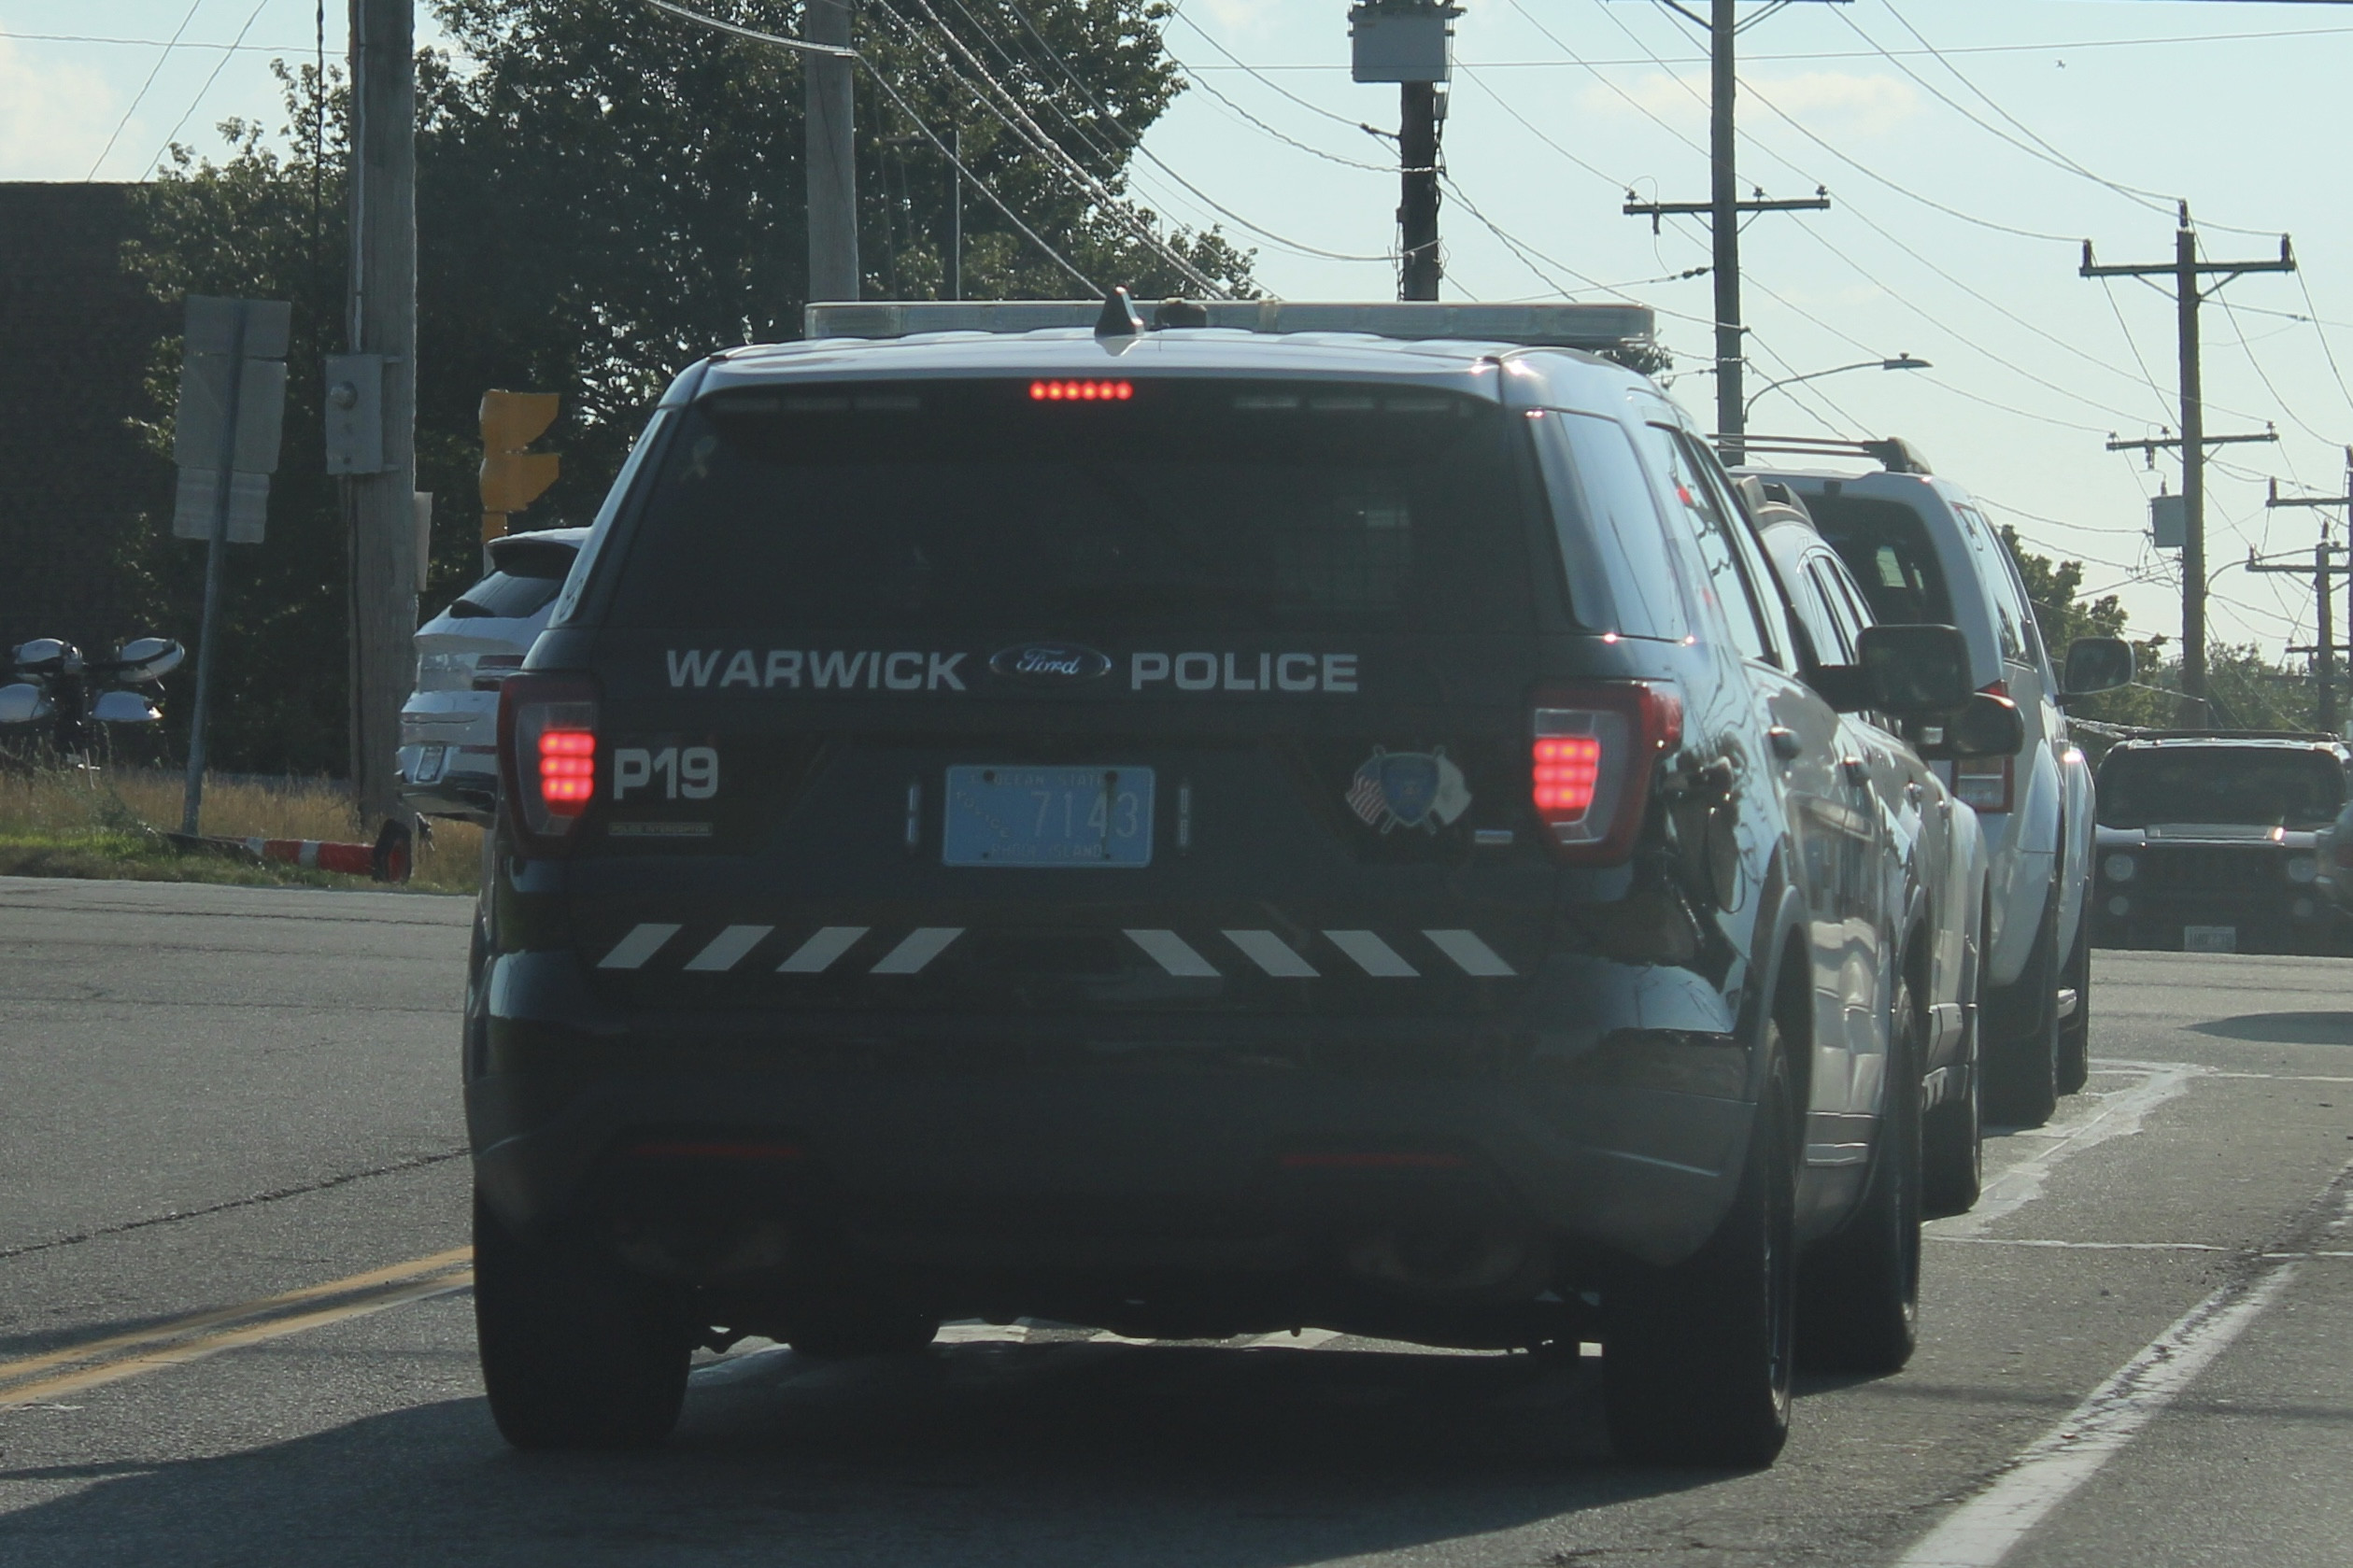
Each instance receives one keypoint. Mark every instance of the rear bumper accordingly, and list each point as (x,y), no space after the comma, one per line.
(1106,1143)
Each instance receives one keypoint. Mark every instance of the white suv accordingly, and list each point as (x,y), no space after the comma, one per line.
(447,762)
(1923,551)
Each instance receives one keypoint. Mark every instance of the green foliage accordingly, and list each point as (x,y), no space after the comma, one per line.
(605,195)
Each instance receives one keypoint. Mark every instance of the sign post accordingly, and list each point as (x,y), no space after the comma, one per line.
(225,442)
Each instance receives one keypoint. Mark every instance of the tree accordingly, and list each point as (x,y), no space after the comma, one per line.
(605,194)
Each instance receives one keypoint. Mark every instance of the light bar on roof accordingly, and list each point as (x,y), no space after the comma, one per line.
(1591,327)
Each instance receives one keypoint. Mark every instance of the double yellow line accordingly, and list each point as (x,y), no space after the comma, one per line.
(53,1374)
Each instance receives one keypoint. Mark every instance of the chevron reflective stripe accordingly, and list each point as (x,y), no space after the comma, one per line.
(817,955)
(1173,953)
(727,948)
(1472,955)
(1374,956)
(1271,954)
(639,945)
(920,946)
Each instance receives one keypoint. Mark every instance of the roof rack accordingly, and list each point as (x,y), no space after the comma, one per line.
(1594,328)
(1893,453)
(2321,737)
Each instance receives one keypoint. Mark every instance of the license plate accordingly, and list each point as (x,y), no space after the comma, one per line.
(2209,939)
(429,763)
(1048,817)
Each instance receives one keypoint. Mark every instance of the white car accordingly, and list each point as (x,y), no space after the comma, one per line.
(448,756)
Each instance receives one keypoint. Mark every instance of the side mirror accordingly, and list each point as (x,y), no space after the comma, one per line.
(1914,670)
(1985,726)
(23,703)
(2096,664)
(149,658)
(124,707)
(43,655)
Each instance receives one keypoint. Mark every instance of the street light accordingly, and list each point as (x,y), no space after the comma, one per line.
(1901,361)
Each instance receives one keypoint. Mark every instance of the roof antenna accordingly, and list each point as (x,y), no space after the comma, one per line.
(1119,317)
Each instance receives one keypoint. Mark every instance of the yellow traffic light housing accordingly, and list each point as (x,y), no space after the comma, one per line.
(513,478)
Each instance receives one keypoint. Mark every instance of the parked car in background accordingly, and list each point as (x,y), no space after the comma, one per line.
(1921,551)
(1936,854)
(448,763)
(2213,842)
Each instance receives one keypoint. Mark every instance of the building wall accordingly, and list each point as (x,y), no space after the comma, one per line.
(75,337)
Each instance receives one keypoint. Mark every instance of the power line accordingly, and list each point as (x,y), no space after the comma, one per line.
(226,56)
(802,45)
(141,97)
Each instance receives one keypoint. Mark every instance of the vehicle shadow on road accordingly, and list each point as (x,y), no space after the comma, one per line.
(1025,1456)
(2282,1029)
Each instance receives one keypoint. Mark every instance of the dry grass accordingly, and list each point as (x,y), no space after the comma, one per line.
(63,822)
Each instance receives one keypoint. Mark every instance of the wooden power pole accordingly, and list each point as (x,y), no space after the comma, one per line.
(381,505)
(1411,43)
(2325,570)
(2185,270)
(831,140)
(1724,209)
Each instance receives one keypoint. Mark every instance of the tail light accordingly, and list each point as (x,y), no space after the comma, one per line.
(1591,755)
(1986,784)
(547,754)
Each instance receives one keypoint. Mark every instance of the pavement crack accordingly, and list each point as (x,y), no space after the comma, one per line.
(417,1162)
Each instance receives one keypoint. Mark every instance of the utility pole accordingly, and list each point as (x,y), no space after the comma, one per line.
(2185,270)
(1724,209)
(831,135)
(1411,43)
(381,505)
(2323,575)
(956,212)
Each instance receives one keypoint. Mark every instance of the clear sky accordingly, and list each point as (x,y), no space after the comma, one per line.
(2017,115)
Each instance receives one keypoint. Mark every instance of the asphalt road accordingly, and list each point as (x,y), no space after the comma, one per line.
(215,1100)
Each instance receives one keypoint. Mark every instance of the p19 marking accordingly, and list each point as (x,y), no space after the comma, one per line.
(687,772)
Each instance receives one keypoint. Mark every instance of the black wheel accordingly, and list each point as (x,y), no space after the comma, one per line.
(1697,1358)
(2021,1048)
(1858,1291)
(1952,1135)
(576,1352)
(2075,1030)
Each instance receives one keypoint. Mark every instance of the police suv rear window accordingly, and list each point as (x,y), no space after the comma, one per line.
(1201,505)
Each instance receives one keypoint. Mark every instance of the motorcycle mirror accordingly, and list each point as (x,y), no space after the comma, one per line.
(149,658)
(124,707)
(23,703)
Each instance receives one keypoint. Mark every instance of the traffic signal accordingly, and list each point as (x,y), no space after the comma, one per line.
(513,478)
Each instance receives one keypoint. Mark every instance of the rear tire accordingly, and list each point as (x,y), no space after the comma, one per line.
(2074,1031)
(1697,1358)
(2021,1055)
(1858,1293)
(577,1351)
(1952,1135)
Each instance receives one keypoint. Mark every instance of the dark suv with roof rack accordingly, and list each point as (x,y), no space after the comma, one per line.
(2210,841)
(1193,833)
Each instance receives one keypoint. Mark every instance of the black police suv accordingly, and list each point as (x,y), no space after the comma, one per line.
(1193,832)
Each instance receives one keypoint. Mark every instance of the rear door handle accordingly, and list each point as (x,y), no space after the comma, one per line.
(1786,745)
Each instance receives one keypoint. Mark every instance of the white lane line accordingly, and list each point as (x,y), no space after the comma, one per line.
(2083,1246)
(1173,953)
(1374,956)
(2121,1115)
(817,955)
(1271,954)
(1983,1531)
(920,946)
(727,948)
(639,945)
(1473,956)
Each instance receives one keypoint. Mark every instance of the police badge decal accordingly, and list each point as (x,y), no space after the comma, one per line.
(1409,789)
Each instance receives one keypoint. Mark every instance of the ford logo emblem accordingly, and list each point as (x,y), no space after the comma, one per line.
(1049,663)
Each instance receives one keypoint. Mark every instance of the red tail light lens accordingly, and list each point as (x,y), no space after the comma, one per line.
(547,754)
(1592,753)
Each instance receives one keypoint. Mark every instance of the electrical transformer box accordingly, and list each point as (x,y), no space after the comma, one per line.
(1402,40)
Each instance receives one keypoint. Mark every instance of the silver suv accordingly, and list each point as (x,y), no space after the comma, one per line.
(1923,551)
